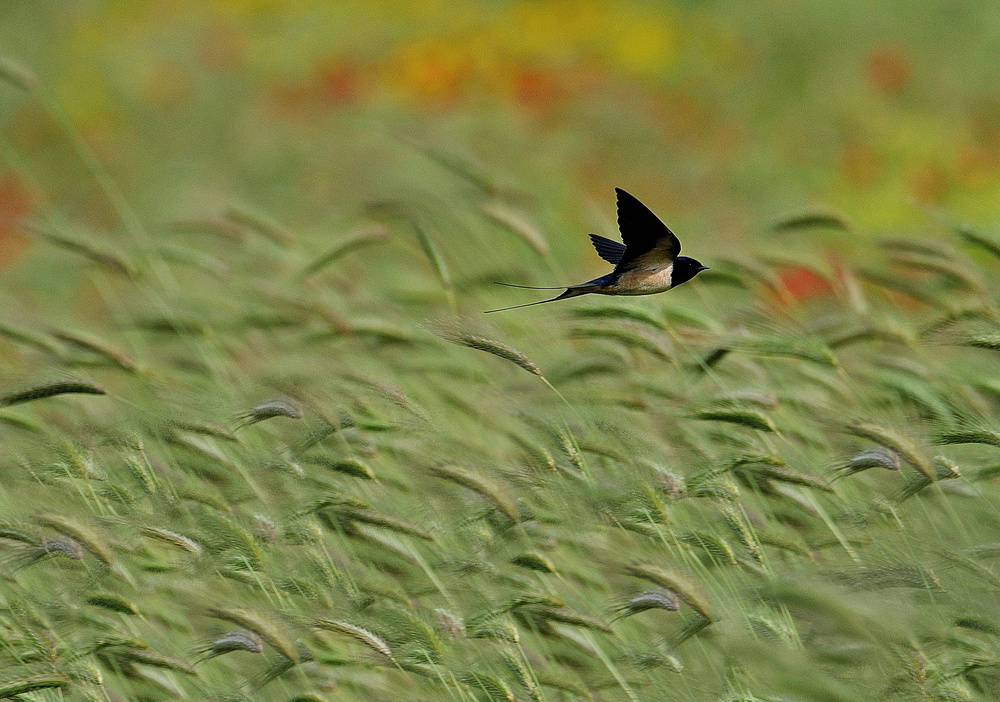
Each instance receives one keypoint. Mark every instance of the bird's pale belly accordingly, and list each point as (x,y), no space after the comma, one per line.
(642,281)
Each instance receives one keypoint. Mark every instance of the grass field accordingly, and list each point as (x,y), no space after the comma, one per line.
(259,442)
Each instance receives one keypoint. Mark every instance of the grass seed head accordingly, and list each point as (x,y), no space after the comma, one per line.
(32,338)
(889,575)
(811,219)
(880,457)
(494,630)
(368,516)
(12,688)
(782,474)
(51,389)
(474,482)
(745,417)
(433,253)
(522,674)
(96,346)
(715,548)
(894,439)
(68,548)
(534,561)
(564,615)
(958,273)
(145,656)
(261,625)
(114,603)
(368,638)
(86,535)
(347,466)
(262,224)
(490,346)
(241,640)
(969,435)
(211,226)
(671,483)
(692,627)
(888,332)
(672,582)
(945,468)
(269,410)
(979,240)
(371,234)
(743,531)
(83,246)
(649,599)
(59,547)
(14,532)
(805,349)
(494,687)
(982,341)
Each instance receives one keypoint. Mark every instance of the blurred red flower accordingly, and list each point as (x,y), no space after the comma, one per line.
(802,283)
(338,81)
(888,68)
(537,89)
(15,204)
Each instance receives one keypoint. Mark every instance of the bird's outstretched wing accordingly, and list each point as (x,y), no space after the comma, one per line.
(608,249)
(647,239)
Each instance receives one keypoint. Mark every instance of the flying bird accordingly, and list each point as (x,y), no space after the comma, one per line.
(646,262)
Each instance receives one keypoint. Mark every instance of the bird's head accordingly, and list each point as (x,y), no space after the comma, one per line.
(685,269)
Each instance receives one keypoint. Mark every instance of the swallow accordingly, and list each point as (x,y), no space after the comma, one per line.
(646,262)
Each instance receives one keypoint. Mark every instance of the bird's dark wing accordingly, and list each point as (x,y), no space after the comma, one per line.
(608,249)
(645,236)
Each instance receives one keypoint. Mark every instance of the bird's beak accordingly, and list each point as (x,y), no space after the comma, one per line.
(703,268)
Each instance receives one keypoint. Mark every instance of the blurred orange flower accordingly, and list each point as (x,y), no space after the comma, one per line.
(432,70)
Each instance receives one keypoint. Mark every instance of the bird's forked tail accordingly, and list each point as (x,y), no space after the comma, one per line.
(569,292)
